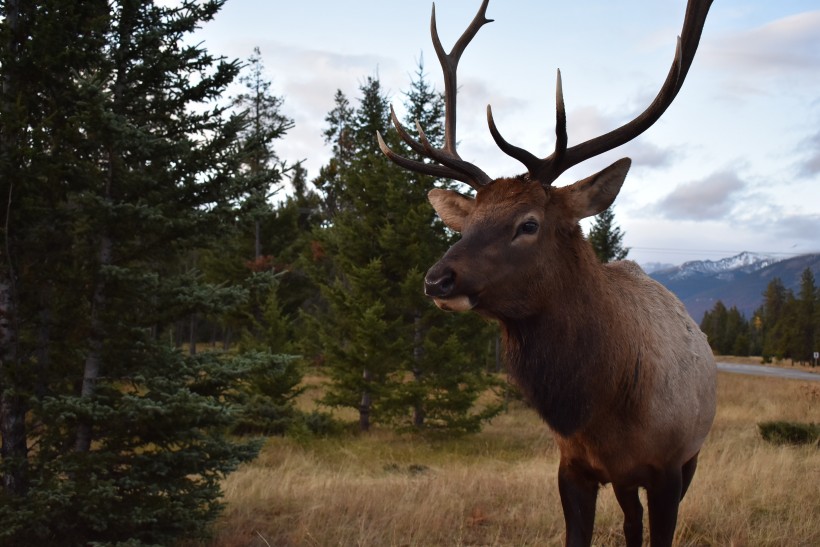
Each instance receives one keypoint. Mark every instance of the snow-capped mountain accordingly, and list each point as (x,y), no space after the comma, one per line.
(736,281)
(745,262)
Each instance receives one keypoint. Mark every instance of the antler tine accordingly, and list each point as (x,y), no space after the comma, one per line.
(548,169)
(449,65)
(534,164)
(421,167)
(452,166)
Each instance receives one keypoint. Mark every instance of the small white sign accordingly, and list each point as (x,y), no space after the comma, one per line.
(817,354)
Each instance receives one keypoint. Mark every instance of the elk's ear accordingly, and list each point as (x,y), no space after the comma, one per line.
(452,207)
(594,194)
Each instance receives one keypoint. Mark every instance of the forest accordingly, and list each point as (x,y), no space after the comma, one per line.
(167,279)
(785,326)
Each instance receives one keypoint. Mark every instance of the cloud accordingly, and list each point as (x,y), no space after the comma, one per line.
(798,227)
(810,166)
(783,49)
(712,198)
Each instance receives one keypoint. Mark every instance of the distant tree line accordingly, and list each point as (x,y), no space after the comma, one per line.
(785,326)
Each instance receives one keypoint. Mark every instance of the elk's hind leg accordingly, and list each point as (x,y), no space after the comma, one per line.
(633,514)
(578,493)
(687,473)
(663,496)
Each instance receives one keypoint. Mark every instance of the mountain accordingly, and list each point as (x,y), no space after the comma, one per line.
(736,281)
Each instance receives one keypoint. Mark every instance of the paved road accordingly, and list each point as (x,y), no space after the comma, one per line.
(760,370)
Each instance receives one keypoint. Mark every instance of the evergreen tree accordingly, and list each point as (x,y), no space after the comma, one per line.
(772,321)
(727,330)
(358,335)
(449,352)
(117,168)
(806,328)
(713,325)
(607,237)
(265,124)
(390,354)
(339,135)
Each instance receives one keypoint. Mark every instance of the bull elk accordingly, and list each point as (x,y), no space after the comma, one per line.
(609,358)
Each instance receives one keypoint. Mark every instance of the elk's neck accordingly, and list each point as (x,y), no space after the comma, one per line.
(559,357)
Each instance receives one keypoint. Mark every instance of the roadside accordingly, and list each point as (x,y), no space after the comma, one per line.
(790,373)
(757,360)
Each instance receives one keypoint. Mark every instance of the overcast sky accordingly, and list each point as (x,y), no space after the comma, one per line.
(733,165)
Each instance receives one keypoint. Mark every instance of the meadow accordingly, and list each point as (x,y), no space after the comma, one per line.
(498,488)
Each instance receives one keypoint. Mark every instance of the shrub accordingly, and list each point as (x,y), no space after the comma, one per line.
(790,432)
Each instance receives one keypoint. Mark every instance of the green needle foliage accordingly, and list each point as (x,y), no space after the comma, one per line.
(391,355)
(117,166)
(607,237)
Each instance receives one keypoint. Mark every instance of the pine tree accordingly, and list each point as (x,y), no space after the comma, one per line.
(118,167)
(606,237)
(773,319)
(713,326)
(806,328)
(358,334)
(391,354)
(265,124)
(448,353)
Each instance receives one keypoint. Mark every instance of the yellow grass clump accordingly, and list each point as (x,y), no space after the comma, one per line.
(498,488)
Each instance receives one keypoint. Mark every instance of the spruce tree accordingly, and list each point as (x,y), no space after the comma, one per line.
(266,123)
(117,167)
(449,353)
(358,333)
(806,328)
(773,319)
(607,237)
(389,352)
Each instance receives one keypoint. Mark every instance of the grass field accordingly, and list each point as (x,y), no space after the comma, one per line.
(498,488)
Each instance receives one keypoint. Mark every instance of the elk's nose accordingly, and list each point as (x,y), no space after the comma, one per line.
(439,282)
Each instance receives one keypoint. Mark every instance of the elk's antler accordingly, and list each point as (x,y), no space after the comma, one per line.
(543,170)
(451,165)
(548,169)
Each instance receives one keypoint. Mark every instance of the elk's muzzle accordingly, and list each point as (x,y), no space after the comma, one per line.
(440,285)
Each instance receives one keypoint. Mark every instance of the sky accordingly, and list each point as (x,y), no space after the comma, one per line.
(733,165)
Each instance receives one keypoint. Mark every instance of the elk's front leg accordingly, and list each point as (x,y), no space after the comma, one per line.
(663,497)
(630,503)
(578,496)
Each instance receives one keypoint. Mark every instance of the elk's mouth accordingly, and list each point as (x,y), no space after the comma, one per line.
(456,303)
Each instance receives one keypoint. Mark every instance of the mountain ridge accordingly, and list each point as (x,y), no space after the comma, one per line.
(738,280)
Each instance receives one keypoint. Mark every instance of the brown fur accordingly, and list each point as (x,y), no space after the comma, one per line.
(607,356)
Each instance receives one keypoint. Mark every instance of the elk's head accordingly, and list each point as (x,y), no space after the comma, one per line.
(521,234)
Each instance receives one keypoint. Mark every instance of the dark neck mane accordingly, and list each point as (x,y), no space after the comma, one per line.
(560,358)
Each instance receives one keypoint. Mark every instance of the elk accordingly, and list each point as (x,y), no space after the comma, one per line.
(608,357)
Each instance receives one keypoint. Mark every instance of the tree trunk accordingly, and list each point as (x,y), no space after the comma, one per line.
(364,407)
(257,243)
(418,353)
(13,451)
(192,335)
(93,360)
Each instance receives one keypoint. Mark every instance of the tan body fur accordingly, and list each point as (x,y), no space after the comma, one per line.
(608,357)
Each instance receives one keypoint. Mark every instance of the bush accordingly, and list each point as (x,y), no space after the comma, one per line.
(790,432)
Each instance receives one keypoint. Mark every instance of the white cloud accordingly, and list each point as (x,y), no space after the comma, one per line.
(711,198)
(780,50)
(810,165)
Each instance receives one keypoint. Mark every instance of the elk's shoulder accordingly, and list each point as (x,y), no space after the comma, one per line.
(627,268)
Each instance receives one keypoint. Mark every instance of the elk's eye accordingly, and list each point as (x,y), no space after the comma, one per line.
(528,228)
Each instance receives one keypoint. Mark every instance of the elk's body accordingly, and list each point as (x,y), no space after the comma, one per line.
(608,357)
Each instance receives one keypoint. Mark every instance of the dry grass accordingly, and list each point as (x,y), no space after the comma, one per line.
(499,487)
